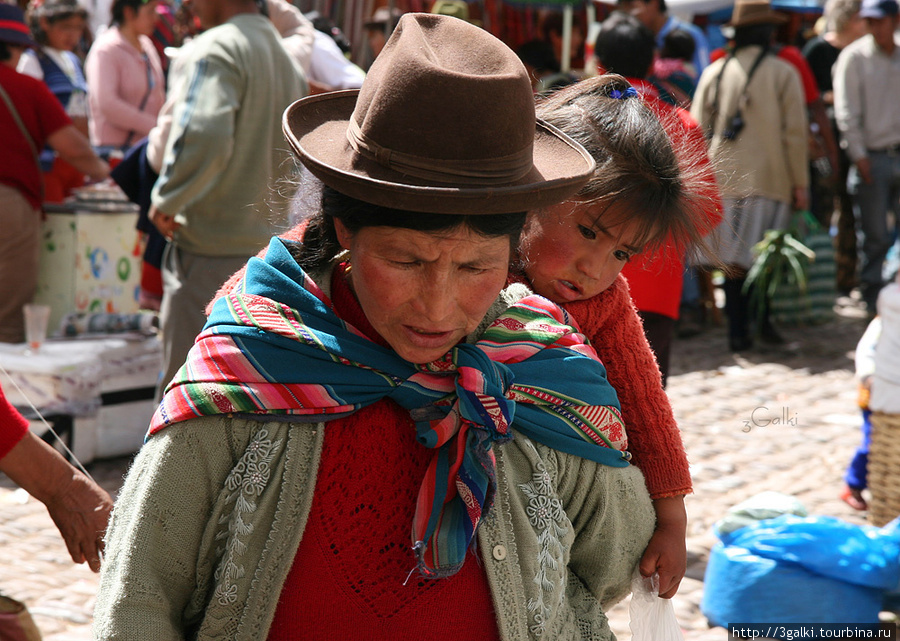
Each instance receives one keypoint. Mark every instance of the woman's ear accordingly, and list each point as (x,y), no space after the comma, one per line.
(343,234)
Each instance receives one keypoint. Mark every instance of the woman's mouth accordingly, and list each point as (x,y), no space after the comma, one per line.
(425,338)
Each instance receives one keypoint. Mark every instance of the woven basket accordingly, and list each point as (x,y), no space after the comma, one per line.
(884,469)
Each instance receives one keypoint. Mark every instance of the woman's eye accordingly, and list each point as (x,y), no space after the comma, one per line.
(587,232)
(622,255)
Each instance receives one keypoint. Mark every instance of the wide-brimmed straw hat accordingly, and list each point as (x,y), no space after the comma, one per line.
(753,12)
(13,29)
(444,123)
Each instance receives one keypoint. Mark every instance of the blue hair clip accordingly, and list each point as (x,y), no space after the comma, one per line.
(618,94)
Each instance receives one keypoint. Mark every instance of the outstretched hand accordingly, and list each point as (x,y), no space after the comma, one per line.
(79,507)
(80,510)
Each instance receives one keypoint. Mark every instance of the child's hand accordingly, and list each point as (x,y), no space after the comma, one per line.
(864,393)
(667,551)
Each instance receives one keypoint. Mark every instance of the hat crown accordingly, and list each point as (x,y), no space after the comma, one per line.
(442,90)
(753,12)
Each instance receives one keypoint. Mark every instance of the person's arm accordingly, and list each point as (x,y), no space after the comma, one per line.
(666,554)
(201,140)
(817,115)
(297,32)
(614,329)
(75,149)
(848,89)
(78,506)
(795,136)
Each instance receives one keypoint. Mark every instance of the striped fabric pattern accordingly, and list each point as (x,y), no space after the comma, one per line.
(275,346)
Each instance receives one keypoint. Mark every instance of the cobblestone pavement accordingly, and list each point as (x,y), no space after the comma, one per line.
(799,400)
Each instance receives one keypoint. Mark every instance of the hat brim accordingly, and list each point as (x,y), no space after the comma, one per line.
(316,129)
(15,38)
(772,17)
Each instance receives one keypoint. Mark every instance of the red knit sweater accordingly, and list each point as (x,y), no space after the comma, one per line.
(611,323)
(347,579)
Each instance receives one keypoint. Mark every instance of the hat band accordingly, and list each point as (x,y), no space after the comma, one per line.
(487,171)
(15,26)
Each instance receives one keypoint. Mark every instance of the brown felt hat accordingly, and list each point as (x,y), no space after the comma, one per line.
(444,123)
(753,12)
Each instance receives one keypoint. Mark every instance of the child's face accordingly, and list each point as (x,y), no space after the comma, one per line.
(570,255)
(64,34)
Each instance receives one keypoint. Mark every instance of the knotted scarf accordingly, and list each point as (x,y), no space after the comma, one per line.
(274,345)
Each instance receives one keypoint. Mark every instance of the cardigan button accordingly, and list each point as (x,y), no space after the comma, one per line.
(499,552)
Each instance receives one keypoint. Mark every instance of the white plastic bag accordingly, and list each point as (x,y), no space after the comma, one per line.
(652,618)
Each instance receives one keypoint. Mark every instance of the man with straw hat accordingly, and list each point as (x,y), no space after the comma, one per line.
(751,105)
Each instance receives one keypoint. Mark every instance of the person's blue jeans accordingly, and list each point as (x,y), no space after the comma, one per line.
(856,476)
(871,203)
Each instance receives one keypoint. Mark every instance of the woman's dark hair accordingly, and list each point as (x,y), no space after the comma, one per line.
(53,11)
(118,9)
(625,46)
(678,43)
(665,192)
(320,241)
(757,34)
(5,53)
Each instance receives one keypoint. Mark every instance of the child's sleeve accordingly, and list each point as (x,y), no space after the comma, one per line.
(612,325)
(865,350)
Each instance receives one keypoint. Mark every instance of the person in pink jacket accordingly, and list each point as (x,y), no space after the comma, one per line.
(126,86)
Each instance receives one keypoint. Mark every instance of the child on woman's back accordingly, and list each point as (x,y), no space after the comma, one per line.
(642,195)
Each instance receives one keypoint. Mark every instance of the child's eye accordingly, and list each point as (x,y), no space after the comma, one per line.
(587,232)
(622,255)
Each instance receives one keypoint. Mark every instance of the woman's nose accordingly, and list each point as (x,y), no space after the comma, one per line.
(436,298)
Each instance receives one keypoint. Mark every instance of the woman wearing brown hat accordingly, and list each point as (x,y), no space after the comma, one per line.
(751,106)
(374,437)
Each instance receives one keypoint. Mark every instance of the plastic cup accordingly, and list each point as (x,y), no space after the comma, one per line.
(36,317)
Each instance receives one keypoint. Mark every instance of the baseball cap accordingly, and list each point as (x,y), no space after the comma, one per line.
(878,8)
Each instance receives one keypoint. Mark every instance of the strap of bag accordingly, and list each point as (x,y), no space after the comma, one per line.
(150,85)
(34,150)
(715,108)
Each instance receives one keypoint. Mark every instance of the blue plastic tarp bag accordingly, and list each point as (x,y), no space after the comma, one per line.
(801,569)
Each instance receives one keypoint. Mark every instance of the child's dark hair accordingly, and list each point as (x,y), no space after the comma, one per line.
(665,193)
(679,44)
(320,241)
(5,53)
(53,11)
(625,46)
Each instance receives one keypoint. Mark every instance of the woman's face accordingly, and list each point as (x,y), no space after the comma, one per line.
(424,292)
(569,254)
(63,34)
(143,20)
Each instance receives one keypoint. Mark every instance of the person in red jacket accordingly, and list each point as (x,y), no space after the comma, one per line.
(625,46)
(30,117)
